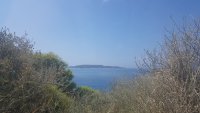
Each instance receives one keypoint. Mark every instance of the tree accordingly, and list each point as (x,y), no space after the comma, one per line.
(61,75)
(31,82)
(15,59)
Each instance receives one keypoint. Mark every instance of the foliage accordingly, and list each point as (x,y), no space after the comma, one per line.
(15,61)
(51,64)
(58,102)
(38,82)
(84,91)
(170,84)
(31,82)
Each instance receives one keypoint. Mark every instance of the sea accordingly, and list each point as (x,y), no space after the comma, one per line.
(101,78)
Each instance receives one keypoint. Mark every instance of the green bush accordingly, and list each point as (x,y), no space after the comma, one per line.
(58,102)
(32,82)
(84,91)
(55,70)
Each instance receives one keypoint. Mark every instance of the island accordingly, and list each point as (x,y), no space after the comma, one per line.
(94,66)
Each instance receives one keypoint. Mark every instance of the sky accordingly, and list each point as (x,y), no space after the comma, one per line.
(106,32)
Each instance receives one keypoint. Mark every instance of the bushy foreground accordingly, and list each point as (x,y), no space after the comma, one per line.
(170,82)
(36,83)
(31,81)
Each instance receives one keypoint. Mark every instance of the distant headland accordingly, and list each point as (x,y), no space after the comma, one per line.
(94,66)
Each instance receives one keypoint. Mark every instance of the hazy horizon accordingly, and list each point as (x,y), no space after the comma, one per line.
(96,32)
(98,65)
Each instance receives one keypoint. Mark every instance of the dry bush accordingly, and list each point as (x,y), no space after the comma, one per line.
(160,93)
(172,77)
(97,102)
(155,94)
(170,84)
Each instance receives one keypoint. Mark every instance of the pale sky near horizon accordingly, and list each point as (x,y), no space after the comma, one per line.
(107,32)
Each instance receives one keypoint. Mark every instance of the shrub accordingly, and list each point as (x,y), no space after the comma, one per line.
(171,81)
(31,82)
(54,69)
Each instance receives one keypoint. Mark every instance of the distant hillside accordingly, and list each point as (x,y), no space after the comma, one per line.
(94,66)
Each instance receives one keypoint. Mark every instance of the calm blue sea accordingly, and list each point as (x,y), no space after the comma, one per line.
(100,78)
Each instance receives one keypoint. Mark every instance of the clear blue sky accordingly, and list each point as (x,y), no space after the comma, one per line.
(108,32)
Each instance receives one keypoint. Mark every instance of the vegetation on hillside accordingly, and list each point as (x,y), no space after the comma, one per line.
(34,82)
